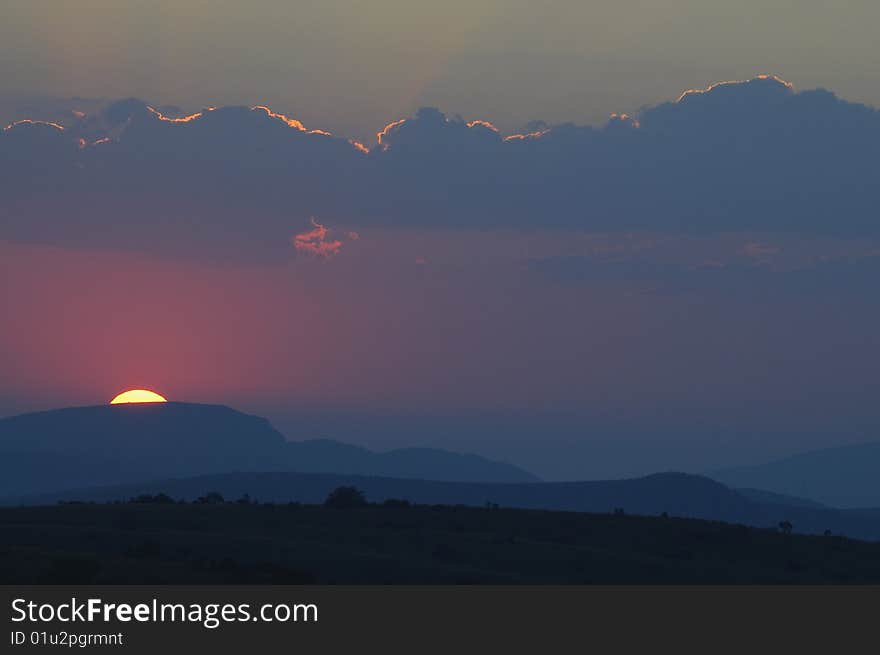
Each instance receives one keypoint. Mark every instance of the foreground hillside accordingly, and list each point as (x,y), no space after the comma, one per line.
(251,543)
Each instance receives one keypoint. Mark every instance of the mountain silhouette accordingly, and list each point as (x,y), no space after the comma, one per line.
(844,476)
(108,453)
(769,498)
(120,444)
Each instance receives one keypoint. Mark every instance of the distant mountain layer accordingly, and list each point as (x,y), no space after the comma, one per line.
(118,444)
(770,498)
(676,494)
(846,476)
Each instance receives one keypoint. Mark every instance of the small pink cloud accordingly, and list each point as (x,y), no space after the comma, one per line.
(316,241)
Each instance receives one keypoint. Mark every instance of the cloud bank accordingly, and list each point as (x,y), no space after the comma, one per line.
(737,156)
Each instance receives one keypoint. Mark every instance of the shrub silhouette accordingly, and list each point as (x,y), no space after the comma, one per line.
(345,498)
(785,527)
(160,498)
(211,498)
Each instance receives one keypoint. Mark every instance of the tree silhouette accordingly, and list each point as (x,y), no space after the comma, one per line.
(785,527)
(345,498)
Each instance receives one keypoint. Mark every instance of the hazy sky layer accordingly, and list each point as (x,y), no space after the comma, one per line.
(691,287)
(468,352)
(351,66)
(688,287)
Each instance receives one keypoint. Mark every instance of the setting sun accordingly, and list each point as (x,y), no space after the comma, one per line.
(138,396)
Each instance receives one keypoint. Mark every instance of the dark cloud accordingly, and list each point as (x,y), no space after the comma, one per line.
(738,156)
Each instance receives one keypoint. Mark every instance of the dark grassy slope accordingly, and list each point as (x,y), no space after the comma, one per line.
(232,543)
(678,494)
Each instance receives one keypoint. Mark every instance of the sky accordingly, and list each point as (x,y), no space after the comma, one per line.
(352,66)
(398,225)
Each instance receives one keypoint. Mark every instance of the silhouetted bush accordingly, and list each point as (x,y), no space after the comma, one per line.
(211,498)
(345,498)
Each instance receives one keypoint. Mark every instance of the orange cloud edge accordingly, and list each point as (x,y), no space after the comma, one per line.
(382,135)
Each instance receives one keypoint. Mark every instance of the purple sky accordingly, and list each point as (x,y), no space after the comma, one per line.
(688,287)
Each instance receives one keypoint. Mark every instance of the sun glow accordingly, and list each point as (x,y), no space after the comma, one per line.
(138,396)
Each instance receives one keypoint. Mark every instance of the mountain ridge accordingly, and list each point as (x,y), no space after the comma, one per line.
(116,444)
(839,476)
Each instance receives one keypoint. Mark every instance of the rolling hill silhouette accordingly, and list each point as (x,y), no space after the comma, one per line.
(675,494)
(121,444)
(845,476)
(109,453)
